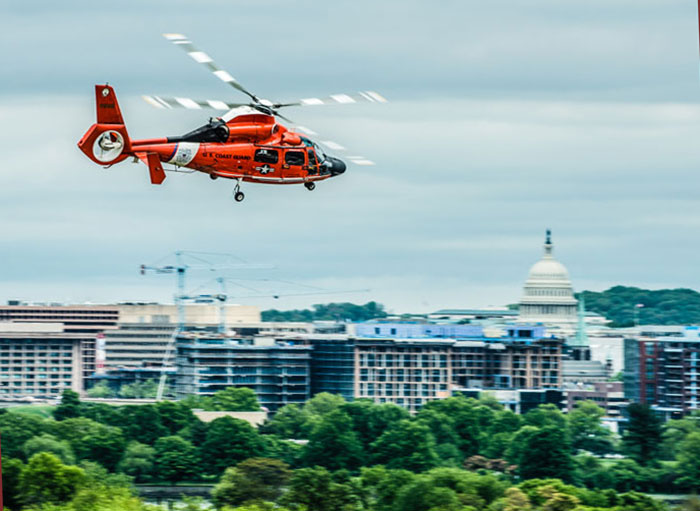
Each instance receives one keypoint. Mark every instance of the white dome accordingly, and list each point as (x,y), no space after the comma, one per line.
(548,269)
(548,296)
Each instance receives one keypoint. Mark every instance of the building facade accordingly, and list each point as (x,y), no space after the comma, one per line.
(664,372)
(407,372)
(41,360)
(279,373)
(410,371)
(609,395)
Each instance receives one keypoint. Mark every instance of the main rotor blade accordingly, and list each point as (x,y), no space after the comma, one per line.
(189,103)
(202,58)
(334,146)
(362,96)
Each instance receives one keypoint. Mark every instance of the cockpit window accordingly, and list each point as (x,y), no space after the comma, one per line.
(294,158)
(320,154)
(266,156)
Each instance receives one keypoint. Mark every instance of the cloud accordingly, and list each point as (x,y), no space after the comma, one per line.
(506,118)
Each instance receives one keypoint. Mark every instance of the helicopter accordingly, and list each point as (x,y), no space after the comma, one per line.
(245,144)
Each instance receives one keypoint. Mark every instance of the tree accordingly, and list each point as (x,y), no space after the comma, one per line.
(102,413)
(323,403)
(142,423)
(92,441)
(331,311)
(16,429)
(381,486)
(519,444)
(45,480)
(468,417)
(138,461)
(661,307)
(69,407)
(547,453)
(633,501)
(446,438)
(258,479)
(334,444)
(315,490)
(545,415)
(422,495)
(139,390)
(234,399)
(228,442)
(370,420)
(585,428)
(288,422)
(560,502)
(175,416)
(175,458)
(516,500)
(689,461)
(51,444)
(11,474)
(642,437)
(284,450)
(100,390)
(406,444)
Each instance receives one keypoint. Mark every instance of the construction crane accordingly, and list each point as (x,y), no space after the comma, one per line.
(180,269)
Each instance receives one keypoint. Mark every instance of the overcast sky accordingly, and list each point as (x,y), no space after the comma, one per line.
(505,118)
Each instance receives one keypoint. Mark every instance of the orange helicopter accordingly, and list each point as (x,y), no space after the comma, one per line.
(246,144)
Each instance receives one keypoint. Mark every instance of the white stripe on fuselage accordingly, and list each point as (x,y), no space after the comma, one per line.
(184,154)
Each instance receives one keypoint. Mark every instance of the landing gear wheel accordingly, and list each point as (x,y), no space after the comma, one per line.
(238,196)
(310,186)
(213,176)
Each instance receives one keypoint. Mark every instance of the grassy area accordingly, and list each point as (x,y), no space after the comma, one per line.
(45,411)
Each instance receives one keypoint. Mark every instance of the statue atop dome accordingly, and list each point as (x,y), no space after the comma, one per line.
(548,243)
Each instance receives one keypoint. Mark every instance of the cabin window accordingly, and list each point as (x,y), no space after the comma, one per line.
(313,164)
(267,156)
(294,158)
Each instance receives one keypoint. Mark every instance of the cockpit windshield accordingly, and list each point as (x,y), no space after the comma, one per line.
(320,154)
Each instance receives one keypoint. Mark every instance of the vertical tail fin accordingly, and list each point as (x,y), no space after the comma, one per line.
(108,111)
(107,141)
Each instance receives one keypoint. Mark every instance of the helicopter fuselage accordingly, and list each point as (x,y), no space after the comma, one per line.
(252,148)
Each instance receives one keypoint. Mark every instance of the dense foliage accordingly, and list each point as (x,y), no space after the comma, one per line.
(660,307)
(455,454)
(331,311)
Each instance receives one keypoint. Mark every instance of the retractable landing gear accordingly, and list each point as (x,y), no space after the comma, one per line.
(310,186)
(238,195)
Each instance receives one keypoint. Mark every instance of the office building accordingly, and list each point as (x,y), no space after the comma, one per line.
(41,360)
(664,371)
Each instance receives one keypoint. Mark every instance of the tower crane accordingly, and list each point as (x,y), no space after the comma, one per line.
(180,269)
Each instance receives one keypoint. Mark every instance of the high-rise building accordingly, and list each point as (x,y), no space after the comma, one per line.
(664,371)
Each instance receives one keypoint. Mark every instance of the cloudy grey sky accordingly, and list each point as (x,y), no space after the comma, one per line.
(506,117)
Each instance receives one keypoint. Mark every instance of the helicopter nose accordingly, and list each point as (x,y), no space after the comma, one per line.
(338,166)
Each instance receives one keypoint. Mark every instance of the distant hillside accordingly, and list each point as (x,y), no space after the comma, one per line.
(661,307)
(330,311)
